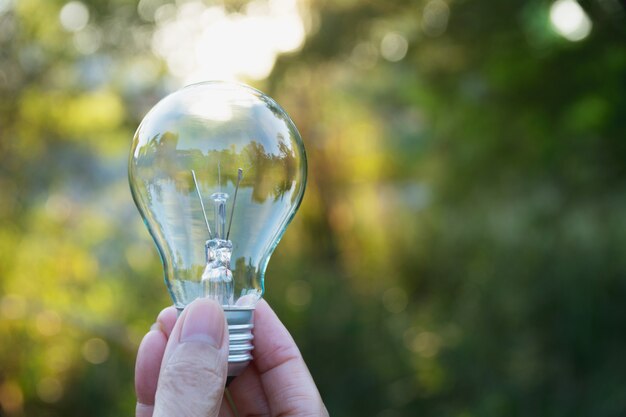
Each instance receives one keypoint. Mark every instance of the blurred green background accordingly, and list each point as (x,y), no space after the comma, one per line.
(460,250)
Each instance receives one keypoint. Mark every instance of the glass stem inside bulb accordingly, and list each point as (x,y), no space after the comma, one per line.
(219,201)
(217,279)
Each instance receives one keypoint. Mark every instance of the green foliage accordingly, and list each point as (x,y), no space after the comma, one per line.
(459,248)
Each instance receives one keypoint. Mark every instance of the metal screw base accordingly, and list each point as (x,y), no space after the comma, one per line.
(240,325)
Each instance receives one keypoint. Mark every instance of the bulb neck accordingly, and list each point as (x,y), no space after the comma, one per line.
(219,204)
(217,278)
(218,251)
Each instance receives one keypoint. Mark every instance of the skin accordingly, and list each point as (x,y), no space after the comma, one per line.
(182,365)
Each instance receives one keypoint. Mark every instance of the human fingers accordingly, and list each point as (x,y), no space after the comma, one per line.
(194,367)
(148,364)
(286,381)
(147,370)
(167,319)
(247,393)
(147,378)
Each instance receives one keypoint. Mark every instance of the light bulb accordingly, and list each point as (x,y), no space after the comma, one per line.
(217,171)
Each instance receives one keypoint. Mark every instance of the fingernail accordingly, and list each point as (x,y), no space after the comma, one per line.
(204,322)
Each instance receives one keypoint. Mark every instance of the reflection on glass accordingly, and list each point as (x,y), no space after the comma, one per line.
(218,171)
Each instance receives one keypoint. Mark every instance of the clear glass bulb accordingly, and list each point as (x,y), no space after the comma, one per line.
(217,171)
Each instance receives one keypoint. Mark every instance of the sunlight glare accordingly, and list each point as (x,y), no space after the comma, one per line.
(570,20)
(201,42)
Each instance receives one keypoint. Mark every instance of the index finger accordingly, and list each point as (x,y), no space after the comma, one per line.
(286,380)
(149,357)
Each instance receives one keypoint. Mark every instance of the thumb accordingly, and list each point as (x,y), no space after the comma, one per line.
(195,363)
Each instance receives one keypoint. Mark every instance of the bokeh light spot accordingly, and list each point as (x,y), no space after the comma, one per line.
(96,351)
(74,16)
(393,47)
(49,390)
(570,20)
(147,9)
(299,294)
(435,18)
(165,13)
(426,344)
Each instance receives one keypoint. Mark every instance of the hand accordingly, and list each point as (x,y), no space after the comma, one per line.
(182,365)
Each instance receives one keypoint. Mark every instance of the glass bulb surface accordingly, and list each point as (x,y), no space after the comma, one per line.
(217,171)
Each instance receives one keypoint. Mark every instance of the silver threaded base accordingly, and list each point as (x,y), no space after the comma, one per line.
(240,325)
